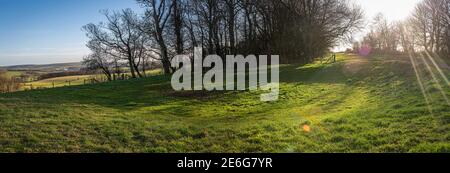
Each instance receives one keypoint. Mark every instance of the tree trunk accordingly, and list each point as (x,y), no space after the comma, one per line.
(178,25)
(231,24)
(165,59)
(130,63)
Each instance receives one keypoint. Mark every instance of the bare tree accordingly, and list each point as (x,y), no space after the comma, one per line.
(100,58)
(231,10)
(178,22)
(157,15)
(121,35)
(430,22)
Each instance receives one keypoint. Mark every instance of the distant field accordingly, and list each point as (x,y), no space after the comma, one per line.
(10,74)
(46,67)
(355,105)
(60,81)
(71,80)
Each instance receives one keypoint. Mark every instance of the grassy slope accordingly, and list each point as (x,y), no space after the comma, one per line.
(355,105)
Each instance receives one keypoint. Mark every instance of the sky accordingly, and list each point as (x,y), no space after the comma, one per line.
(49,31)
(394,10)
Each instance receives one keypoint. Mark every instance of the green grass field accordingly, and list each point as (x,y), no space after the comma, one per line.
(355,105)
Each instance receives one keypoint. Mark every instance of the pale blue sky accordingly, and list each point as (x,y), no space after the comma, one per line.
(49,31)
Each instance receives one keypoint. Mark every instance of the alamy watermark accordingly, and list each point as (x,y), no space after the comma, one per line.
(236,67)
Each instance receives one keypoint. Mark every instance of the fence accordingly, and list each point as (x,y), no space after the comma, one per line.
(331,59)
(74,82)
(37,85)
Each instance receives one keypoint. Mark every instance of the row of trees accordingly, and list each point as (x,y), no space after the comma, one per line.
(297,30)
(383,36)
(427,29)
(430,24)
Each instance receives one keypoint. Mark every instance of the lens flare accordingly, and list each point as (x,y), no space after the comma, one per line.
(419,81)
(435,80)
(439,69)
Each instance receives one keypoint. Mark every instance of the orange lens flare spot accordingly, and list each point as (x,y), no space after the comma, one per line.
(306,128)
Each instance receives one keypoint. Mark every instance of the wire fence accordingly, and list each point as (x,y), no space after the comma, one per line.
(39,85)
(73,82)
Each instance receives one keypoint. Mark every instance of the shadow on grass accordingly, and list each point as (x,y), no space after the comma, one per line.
(156,91)
(316,73)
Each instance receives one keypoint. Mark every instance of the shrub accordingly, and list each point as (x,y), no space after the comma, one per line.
(8,84)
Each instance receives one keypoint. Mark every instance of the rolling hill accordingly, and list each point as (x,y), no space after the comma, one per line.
(358,104)
(59,67)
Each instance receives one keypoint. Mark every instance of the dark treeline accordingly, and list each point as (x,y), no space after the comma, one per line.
(297,30)
(426,30)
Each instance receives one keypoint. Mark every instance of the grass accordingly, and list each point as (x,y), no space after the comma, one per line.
(355,105)
(60,81)
(71,80)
